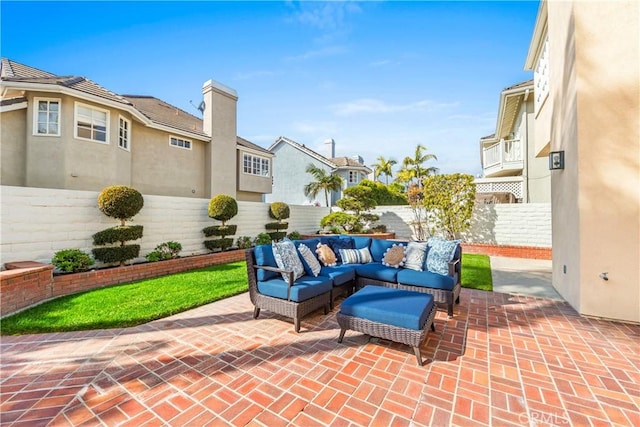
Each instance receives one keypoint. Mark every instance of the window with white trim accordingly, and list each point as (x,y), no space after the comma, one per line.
(46,119)
(174,141)
(541,75)
(353,177)
(91,123)
(255,165)
(124,132)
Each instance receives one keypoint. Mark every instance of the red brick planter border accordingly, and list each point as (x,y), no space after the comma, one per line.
(531,252)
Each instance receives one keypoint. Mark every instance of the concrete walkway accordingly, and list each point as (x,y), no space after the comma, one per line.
(519,276)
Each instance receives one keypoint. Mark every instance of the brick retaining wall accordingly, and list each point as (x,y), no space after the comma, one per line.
(24,284)
(531,252)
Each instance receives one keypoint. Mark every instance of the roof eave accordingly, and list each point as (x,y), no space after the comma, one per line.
(539,30)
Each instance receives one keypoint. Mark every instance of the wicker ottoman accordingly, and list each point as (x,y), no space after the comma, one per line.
(393,314)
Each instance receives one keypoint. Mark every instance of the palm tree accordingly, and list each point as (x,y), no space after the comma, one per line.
(383,166)
(412,166)
(323,181)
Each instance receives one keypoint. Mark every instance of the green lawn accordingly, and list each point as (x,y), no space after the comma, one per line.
(476,272)
(130,304)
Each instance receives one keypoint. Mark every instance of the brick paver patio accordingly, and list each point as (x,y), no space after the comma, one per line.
(502,360)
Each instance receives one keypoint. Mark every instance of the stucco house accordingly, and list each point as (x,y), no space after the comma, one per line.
(68,132)
(586,62)
(290,176)
(509,163)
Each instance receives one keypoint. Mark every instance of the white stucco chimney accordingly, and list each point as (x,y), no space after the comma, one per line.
(220,123)
(330,148)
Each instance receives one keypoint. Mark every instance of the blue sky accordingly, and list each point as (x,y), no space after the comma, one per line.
(378,77)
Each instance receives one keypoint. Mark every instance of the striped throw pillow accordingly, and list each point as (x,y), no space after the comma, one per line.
(355,256)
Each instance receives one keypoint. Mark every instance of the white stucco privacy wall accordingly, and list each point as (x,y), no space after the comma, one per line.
(517,224)
(37,222)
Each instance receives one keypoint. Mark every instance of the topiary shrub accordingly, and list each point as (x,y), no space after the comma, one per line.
(294,235)
(164,251)
(262,239)
(278,211)
(123,203)
(341,222)
(221,207)
(71,260)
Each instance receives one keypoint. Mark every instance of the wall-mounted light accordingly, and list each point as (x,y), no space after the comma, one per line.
(556,160)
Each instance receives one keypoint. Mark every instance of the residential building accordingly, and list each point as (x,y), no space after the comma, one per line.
(586,62)
(509,163)
(68,132)
(290,175)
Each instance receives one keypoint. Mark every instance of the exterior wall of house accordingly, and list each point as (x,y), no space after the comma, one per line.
(536,173)
(596,121)
(290,176)
(250,183)
(162,169)
(13,132)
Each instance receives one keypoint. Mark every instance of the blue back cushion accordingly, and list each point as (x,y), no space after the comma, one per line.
(310,243)
(361,242)
(379,247)
(337,243)
(264,256)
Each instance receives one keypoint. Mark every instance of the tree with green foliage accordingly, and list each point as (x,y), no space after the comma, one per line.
(123,203)
(222,208)
(412,167)
(278,211)
(383,166)
(323,182)
(419,223)
(450,199)
(359,200)
(385,195)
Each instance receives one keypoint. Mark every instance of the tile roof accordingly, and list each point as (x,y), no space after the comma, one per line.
(346,161)
(336,162)
(248,144)
(166,114)
(519,85)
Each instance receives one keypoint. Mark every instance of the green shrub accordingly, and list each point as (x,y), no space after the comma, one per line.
(276,225)
(340,222)
(116,253)
(120,201)
(222,244)
(277,235)
(121,233)
(294,235)
(166,250)
(262,239)
(223,208)
(244,242)
(220,230)
(279,211)
(71,260)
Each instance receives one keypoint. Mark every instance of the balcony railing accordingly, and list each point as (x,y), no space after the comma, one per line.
(506,155)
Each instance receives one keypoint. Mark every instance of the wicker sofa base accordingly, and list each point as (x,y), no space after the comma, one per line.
(295,310)
(441,296)
(411,337)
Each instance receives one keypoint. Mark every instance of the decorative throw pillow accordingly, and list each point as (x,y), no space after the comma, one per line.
(355,256)
(394,256)
(440,254)
(338,243)
(287,258)
(415,254)
(310,259)
(326,255)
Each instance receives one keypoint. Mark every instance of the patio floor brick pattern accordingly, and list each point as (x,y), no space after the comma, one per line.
(502,360)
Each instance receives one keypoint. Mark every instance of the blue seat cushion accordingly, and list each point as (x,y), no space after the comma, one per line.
(379,247)
(426,279)
(340,274)
(377,271)
(304,288)
(264,256)
(396,307)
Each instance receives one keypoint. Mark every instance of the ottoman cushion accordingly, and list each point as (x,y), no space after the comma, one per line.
(404,309)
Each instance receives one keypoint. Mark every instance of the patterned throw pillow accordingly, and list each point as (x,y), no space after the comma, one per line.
(287,258)
(440,253)
(326,255)
(394,256)
(310,259)
(355,256)
(415,254)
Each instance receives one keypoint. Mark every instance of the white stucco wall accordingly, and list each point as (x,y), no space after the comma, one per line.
(37,222)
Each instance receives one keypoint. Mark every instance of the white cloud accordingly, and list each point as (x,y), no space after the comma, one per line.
(376,106)
(319,53)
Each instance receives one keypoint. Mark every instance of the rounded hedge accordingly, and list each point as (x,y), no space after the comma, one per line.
(279,210)
(223,207)
(72,260)
(120,201)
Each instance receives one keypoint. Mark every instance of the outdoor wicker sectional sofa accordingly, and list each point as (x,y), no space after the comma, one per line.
(296,298)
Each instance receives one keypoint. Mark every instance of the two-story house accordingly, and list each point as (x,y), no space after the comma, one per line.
(509,164)
(69,132)
(290,176)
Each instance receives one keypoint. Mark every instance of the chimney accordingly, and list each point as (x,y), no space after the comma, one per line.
(330,148)
(219,122)
(358,159)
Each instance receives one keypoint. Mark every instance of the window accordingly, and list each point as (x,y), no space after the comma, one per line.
(541,76)
(124,127)
(91,123)
(255,165)
(179,142)
(353,177)
(46,117)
